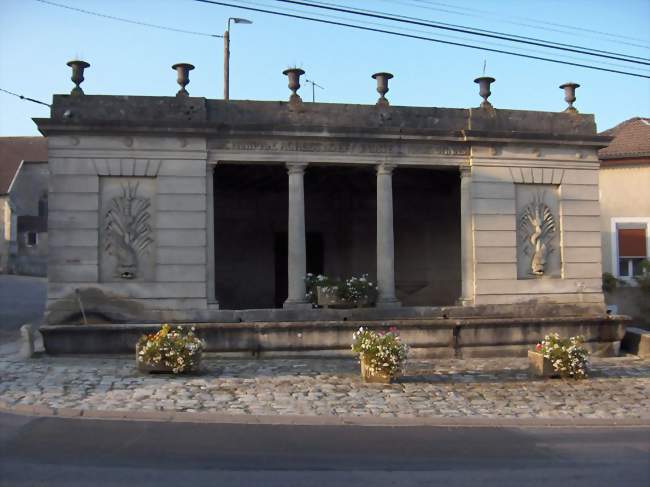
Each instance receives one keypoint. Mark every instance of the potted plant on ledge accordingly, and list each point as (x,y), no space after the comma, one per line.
(559,357)
(356,292)
(382,355)
(169,351)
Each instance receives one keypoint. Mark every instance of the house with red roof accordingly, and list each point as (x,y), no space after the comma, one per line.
(625,211)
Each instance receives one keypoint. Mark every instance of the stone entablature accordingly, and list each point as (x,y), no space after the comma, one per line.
(167,148)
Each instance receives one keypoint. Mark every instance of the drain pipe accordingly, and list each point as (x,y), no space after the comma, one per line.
(81,305)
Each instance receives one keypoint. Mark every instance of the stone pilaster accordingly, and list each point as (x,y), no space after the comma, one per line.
(466,237)
(210,240)
(297,246)
(385,238)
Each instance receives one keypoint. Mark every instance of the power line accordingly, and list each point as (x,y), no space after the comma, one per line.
(25,97)
(465,30)
(447,36)
(492,31)
(462,11)
(430,39)
(129,21)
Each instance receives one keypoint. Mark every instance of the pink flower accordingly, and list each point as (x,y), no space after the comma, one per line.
(538,347)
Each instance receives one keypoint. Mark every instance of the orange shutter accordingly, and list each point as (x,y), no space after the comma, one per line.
(631,242)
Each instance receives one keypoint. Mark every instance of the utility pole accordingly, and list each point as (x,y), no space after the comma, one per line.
(226,55)
(313,89)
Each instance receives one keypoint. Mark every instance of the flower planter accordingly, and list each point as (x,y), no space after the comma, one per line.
(150,368)
(540,366)
(326,297)
(376,377)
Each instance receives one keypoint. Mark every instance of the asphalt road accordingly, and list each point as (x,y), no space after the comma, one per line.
(78,452)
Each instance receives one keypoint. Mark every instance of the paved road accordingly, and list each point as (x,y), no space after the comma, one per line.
(74,452)
(22,300)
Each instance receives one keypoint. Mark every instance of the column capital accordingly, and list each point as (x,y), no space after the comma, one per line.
(465,171)
(385,168)
(296,167)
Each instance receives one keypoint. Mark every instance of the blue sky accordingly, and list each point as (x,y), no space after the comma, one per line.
(36,40)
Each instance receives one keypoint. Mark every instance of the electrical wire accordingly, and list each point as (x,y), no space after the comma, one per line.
(120,19)
(25,97)
(429,39)
(465,30)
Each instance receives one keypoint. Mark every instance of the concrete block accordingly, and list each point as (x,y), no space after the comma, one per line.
(72,255)
(495,222)
(496,271)
(506,299)
(582,254)
(538,286)
(135,290)
(636,341)
(581,223)
(178,167)
(579,192)
(70,220)
(581,239)
(73,273)
(493,206)
(499,174)
(74,201)
(73,184)
(182,238)
(580,208)
(73,238)
(181,219)
(493,190)
(181,185)
(583,270)
(495,238)
(496,254)
(26,341)
(176,273)
(181,255)
(181,202)
(579,176)
(71,166)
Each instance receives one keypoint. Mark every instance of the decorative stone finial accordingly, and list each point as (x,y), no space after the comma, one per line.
(77,75)
(294,75)
(570,95)
(382,87)
(484,83)
(183,70)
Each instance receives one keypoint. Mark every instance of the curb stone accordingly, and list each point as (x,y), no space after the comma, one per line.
(219,418)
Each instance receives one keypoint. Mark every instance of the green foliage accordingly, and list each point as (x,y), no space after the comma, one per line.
(610,282)
(383,352)
(353,291)
(176,349)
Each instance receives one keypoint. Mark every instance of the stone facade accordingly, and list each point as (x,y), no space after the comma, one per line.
(476,206)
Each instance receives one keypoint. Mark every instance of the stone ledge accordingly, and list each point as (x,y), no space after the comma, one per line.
(637,342)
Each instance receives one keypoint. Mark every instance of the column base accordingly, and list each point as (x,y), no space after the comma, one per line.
(295,304)
(389,303)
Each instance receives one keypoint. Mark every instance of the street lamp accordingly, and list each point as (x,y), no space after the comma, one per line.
(226,55)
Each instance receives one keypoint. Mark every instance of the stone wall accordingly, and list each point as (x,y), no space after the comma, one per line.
(569,178)
(87,172)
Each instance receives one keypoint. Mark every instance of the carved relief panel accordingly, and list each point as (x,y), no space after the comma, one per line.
(538,231)
(126,232)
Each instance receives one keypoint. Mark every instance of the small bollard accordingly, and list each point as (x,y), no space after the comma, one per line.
(26,341)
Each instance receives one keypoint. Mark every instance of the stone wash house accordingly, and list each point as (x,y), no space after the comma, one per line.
(625,212)
(23,205)
(480,226)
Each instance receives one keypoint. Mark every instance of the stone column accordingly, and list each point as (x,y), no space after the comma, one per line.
(385,238)
(297,245)
(466,237)
(209,226)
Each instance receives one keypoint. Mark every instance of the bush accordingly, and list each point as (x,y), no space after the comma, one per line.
(610,282)
(353,291)
(644,278)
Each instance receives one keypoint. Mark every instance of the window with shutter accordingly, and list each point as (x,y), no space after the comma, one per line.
(632,250)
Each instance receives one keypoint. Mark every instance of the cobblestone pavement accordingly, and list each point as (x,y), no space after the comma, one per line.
(490,388)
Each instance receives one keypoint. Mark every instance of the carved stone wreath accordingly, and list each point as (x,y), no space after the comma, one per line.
(537,227)
(128,231)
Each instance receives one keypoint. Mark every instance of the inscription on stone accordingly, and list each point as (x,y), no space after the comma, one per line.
(343,147)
